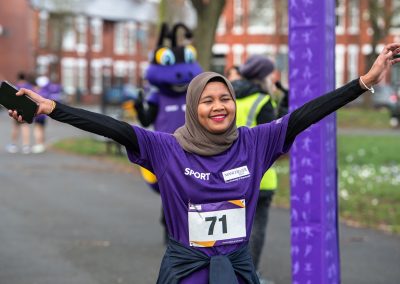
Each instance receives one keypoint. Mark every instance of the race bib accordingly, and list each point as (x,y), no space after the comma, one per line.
(216,224)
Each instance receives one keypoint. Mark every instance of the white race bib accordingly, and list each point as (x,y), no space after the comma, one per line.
(216,224)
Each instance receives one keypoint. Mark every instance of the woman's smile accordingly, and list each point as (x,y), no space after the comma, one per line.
(218,118)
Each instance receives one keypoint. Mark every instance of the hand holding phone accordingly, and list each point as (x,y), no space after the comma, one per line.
(24,105)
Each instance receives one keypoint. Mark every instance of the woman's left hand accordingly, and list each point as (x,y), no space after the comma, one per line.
(382,64)
(45,106)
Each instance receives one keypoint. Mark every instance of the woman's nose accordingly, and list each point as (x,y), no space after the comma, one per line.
(218,106)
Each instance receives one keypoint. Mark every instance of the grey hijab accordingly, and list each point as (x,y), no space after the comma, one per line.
(192,136)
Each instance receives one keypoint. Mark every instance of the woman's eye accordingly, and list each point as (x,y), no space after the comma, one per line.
(190,54)
(164,56)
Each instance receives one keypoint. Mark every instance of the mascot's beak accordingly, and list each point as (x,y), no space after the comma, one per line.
(179,88)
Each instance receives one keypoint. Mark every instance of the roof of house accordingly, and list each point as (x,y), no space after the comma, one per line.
(116,10)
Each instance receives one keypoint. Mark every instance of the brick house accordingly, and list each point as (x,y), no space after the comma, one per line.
(249,27)
(103,42)
(16,39)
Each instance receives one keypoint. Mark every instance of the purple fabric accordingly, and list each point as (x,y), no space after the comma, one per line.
(315,251)
(51,91)
(40,119)
(171,111)
(25,85)
(257,148)
(164,77)
(214,206)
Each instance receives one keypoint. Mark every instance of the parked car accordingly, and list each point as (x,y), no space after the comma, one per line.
(386,96)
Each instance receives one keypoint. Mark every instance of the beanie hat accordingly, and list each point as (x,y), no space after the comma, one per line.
(256,67)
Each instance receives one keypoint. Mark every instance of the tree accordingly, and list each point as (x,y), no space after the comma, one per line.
(208,13)
(380,17)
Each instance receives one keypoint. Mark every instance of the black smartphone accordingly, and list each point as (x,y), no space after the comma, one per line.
(24,105)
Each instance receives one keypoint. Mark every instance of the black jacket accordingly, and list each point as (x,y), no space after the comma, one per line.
(244,88)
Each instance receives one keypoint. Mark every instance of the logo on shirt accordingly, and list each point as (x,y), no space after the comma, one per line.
(173,108)
(202,176)
(236,174)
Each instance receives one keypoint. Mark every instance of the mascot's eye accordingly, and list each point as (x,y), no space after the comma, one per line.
(190,54)
(164,56)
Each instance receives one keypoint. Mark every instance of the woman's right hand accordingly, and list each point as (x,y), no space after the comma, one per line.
(46,106)
(382,65)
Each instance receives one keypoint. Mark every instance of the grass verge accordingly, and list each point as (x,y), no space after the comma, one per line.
(369,182)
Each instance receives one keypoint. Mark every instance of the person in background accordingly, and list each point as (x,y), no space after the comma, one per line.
(20,130)
(50,91)
(232,73)
(253,86)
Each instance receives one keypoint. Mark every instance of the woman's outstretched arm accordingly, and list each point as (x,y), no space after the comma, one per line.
(97,123)
(315,110)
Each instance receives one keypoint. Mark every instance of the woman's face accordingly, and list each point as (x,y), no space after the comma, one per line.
(216,109)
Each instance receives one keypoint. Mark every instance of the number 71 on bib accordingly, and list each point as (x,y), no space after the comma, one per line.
(215,224)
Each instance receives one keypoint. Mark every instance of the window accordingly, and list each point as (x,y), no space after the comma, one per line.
(143,68)
(97,34)
(396,14)
(120,68)
(68,78)
(339,64)
(340,16)
(282,63)
(131,37)
(237,16)
(81,29)
(262,18)
(352,61)
(284,21)
(238,51)
(395,75)
(42,63)
(43,22)
(132,73)
(81,72)
(221,28)
(119,38)
(354,16)
(143,38)
(96,76)
(69,37)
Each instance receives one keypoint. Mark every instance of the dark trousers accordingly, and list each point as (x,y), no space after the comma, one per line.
(257,237)
(164,225)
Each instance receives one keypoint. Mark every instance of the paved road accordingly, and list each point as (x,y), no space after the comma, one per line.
(66,219)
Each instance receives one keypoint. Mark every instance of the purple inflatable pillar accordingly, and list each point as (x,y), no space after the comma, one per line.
(314,217)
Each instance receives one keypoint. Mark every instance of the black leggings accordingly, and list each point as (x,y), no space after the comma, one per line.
(258,232)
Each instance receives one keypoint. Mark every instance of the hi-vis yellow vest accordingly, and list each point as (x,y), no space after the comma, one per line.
(247,110)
